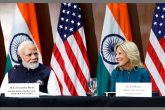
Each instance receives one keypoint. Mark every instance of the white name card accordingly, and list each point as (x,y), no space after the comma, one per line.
(134,89)
(22,90)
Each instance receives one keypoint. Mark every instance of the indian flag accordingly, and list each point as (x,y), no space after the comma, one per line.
(24,27)
(116,29)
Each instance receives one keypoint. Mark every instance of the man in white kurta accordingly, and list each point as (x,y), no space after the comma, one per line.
(31,71)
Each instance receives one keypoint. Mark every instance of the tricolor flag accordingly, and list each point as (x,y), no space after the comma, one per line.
(69,58)
(155,56)
(24,27)
(116,29)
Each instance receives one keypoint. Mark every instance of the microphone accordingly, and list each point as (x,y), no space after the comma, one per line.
(40,82)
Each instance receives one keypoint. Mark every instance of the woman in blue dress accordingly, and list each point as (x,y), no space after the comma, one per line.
(130,67)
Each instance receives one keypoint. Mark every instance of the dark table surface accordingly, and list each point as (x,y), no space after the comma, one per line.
(83,101)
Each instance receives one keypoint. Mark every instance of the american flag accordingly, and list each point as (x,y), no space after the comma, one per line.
(69,58)
(155,56)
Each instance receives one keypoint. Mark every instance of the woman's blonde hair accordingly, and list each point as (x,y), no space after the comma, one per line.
(132,53)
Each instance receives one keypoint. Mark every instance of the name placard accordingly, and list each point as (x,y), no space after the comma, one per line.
(134,89)
(22,90)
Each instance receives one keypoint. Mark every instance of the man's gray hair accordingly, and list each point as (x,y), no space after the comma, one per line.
(23,45)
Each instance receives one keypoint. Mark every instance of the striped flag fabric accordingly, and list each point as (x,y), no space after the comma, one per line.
(155,55)
(69,57)
(24,27)
(116,29)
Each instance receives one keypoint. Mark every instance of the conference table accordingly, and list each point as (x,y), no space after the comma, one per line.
(83,101)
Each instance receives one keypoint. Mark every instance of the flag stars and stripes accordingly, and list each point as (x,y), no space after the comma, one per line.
(160,32)
(70,53)
(61,26)
(158,21)
(155,50)
(67,20)
(155,23)
(71,29)
(160,24)
(62,19)
(72,22)
(69,4)
(73,14)
(78,24)
(79,16)
(68,12)
(162,16)
(71,18)
(156,15)
(63,11)
(75,6)
(66,28)
(158,8)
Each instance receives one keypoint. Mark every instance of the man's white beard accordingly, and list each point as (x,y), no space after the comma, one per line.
(30,65)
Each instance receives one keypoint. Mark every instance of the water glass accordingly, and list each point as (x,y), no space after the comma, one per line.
(92,84)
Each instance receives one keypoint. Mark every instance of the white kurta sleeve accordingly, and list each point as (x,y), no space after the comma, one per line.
(53,86)
(4,82)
